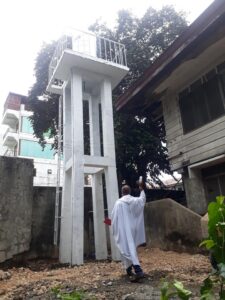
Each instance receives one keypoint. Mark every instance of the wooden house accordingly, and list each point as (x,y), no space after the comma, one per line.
(186,85)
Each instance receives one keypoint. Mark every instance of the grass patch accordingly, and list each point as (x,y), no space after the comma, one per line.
(70,295)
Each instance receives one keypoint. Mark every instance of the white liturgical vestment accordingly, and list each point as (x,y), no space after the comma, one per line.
(128,227)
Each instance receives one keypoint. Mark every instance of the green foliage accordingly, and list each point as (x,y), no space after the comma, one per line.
(170,290)
(206,289)
(216,230)
(139,138)
(216,244)
(182,293)
(72,295)
(139,147)
(145,38)
(213,285)
(45,113)
(164,291)
(208,244)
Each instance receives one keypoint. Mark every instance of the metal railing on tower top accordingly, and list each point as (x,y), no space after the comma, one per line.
(89,44)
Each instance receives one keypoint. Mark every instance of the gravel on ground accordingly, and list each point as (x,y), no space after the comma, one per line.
(103,279)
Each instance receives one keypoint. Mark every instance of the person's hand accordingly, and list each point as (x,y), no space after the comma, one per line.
(141,185)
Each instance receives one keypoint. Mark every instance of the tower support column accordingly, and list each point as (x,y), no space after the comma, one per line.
(97,188)
(109,151)
(77,169)
(98,211)
(66,219)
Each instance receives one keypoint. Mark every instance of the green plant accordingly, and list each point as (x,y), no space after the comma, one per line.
(214,284)
(215,243)
(169,290)
(216,230)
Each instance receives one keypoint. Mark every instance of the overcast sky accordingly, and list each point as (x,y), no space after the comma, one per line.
(26,24)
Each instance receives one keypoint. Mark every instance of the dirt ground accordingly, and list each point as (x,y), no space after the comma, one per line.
(101,280)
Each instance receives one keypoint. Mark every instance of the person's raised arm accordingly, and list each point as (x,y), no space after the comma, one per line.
(142,196)
(140,201)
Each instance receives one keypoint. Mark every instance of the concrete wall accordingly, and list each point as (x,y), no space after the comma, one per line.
(43,216)
(27,213)
(171,226)
(16,187)
(27,217)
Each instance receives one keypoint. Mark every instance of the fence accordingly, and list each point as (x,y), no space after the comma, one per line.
(91,45)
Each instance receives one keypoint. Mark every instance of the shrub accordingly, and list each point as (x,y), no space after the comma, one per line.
(213,285)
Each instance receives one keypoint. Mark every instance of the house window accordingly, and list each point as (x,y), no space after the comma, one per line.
(214,181)
(34,149)
(26,125)
(203,101)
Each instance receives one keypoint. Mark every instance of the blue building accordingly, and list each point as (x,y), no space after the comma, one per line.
(19,140)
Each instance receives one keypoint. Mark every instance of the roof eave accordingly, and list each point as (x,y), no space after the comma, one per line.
(191,34)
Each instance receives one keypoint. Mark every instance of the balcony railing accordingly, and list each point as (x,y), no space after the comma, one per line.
(8,130)
(10,117)
(10,152)
(91,45)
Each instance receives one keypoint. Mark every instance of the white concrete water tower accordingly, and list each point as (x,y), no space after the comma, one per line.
(86,67)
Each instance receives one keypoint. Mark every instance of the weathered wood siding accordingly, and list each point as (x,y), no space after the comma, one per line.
(202,143)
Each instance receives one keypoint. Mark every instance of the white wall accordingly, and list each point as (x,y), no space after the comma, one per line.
(42,177)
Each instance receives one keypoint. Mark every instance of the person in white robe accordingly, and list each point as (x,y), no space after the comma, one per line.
(128,228)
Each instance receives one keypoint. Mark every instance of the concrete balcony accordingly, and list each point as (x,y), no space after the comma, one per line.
(10,138)
(10,117)
(10,152)
(89,52)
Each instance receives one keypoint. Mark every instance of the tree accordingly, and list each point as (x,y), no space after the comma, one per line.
(139,139)
(145,38)
(45,112)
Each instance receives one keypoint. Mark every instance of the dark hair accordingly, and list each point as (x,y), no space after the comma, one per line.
(126,190)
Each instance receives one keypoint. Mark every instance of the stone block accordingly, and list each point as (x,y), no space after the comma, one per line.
(171,226)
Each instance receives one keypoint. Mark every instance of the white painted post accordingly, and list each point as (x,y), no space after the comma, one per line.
(98,210)
(109,151)
(77,169)
(97,188)
(67,124)
(107,119)
(112,196)
(66,219)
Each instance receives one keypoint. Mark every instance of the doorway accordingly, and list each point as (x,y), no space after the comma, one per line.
(214,181)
